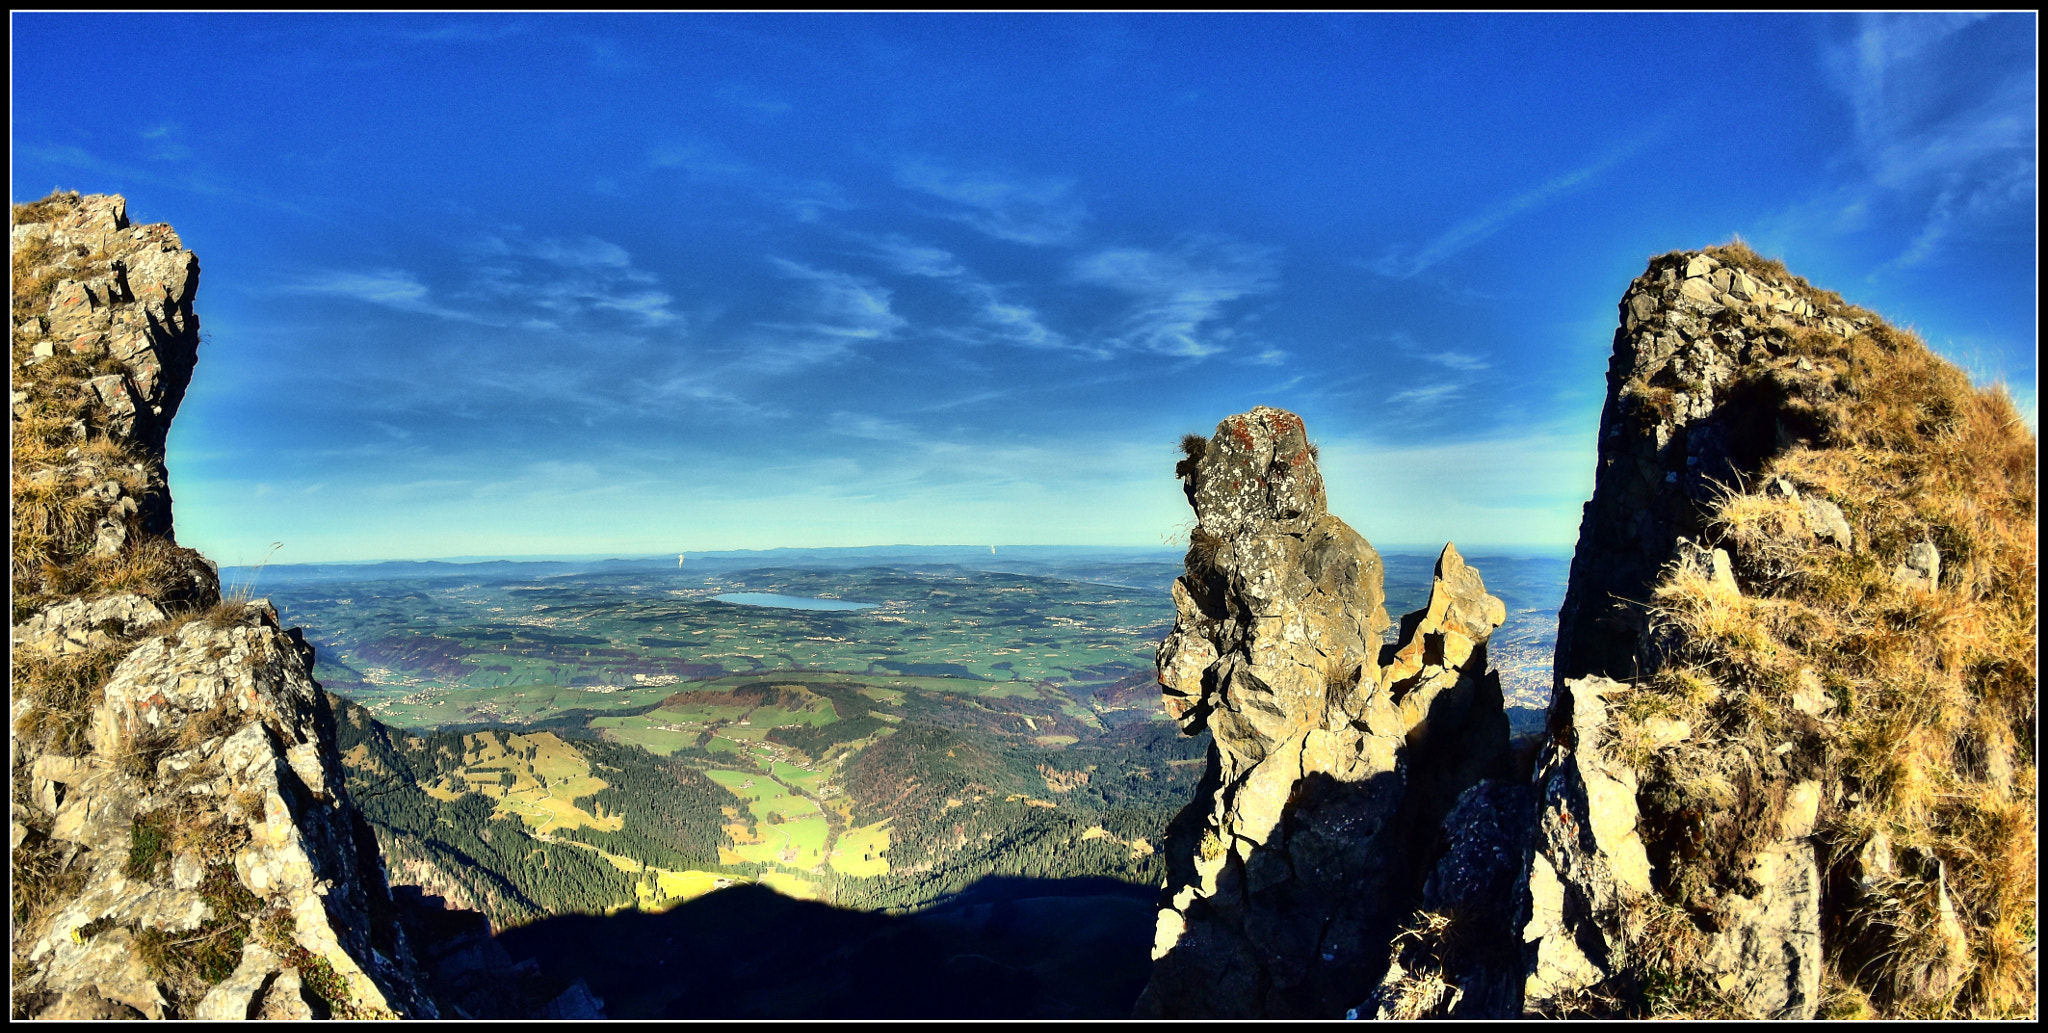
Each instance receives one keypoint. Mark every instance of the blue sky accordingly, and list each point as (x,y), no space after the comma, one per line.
(546,284)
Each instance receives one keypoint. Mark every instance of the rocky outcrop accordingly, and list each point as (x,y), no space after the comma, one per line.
(182,841)
(1704,384)
(1786,765)
(1750,662)
(1710,378)
(1334,756)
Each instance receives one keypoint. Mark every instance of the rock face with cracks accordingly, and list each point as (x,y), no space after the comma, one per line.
(1335,756)
(182,842)
(1705,384)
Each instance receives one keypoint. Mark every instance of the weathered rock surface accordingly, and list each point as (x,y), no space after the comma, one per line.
(1461,958)
(1589,860)
(121,304)
(183,842)
(1705,384)
(1334,758)
(1670,853)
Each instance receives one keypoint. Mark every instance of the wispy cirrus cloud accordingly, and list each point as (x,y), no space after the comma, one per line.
(1461,361)
(1179,295)
(1402,262)
(493,30)
(545,284)
(998,317)
(710,163)
(1426,395)
(1938,128)
(1021,210)
(389,288)
(907,256)
(825,318)
(750,99)
(167,142)
(873,428)
(838,305)
(568,280)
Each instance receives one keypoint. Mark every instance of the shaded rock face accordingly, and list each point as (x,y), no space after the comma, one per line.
(1334,757)
(1682,422)
(1703,388)
(474,977)
(182,840)
(1460,956)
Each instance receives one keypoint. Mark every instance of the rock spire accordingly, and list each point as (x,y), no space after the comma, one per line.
(1334,753)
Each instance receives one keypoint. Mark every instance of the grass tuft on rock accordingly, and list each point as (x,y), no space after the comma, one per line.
(1914,707)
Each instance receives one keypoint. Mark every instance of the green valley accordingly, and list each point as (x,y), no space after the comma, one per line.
(533,744)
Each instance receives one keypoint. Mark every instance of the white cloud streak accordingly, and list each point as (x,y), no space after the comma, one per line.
(389,288)
(839,305)
(1402,262)
(999,318)
(1024,211)
(1178,296)
(1931,129)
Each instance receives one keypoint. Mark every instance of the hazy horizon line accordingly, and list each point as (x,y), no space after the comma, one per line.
(1510,551)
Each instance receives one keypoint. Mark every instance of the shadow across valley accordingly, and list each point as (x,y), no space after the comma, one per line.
(1005,947)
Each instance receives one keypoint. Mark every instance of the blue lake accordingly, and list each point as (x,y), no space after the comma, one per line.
(788,602)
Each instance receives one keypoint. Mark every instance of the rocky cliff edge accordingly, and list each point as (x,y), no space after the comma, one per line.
(181,840)
(1789,768)
(1335,755)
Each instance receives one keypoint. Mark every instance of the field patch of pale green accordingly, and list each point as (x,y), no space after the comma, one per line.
(538,777)
(653,734)
(820,713)
(792,885)
(799,843)
(787,829)
(431,706)
(456,647)
(703,713)
(860,850)
(801,778)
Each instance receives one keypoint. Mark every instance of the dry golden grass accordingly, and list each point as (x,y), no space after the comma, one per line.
(58,203)
(1423,949)
(1930,745)
(52,508)
(61,691)
(41,882)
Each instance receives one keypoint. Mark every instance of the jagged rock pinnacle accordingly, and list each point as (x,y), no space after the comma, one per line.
(1288,871)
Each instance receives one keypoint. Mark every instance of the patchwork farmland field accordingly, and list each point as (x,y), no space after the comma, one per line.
(650,744)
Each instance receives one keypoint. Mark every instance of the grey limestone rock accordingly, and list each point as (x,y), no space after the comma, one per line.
(207,790)
(1922,567)
(1704,386)
(1332,754)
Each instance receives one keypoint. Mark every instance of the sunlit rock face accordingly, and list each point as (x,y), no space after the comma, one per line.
(183,843)
(1335,755)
